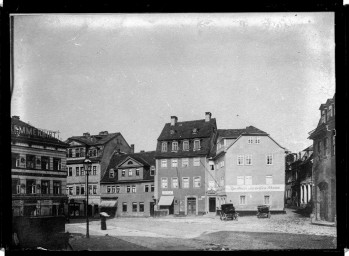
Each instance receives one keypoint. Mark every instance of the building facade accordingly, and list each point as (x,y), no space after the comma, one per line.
(182,165)
(38,171)
(249,170)
(127,188)
(324,165)
(99,148)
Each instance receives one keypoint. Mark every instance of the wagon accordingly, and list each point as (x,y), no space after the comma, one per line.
(263,211)
(228,212)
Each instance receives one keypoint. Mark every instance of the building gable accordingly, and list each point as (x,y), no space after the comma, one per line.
(129,162)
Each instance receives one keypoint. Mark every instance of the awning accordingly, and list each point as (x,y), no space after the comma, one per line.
(108,203)
(166,200)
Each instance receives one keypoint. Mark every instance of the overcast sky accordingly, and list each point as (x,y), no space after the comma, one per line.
(129,73)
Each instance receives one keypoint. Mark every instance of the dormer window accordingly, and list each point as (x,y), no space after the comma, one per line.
(196,144)
(195,130)
(185,145)
(152,171)
(172,132)
(164,147)
(323,117)
(175,146)
(329,112)
(111,173)
(129,162)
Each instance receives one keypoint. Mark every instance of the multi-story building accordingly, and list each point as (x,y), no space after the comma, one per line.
(324,163)
(100,148)
(289,180)
(182,165)
(249,170)
(127,187)
(38,171)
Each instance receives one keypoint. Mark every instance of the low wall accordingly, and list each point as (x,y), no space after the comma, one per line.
(161,213)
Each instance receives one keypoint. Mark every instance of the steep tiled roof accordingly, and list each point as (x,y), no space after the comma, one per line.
(146,158)
(32,138)
(230,133)
(184,130)
(250,130)
(94,140)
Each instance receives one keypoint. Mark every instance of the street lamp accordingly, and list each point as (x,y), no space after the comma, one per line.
(87,168)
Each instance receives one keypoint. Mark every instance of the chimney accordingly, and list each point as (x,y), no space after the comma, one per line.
(208,116)
(86,134)
(132,148)
(142,151)
(103,133)
(173,120)
(15,117)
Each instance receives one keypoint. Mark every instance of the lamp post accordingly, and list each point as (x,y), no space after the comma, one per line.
(87,168)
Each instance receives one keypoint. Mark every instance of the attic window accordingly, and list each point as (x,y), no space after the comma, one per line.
(111,173)
(195,130)
(172,132)
(129,162)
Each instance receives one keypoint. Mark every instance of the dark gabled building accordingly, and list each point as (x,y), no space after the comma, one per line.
(38,171)
(127,187)
(182,165)
(100,148)
(324,166)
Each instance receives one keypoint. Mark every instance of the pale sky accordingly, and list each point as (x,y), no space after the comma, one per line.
(129,73)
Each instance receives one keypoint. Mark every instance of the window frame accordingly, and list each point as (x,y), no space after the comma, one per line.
(240,157)
(195,148)
(270,159)
(195,181)
(123,173)
(134,209)
(128,189)
(186,145)
(133,189)
(250,140)
(163,163)
(146,188)
(185,162)
(152,171)
(164,146)
(269,196)
(152,188)
(241,178)
(130,173)
(141,207)
(184,183)
(162,182)
(246,179)
(245,200)
(94,171)
(70,171)
(111,173)
(124,207)
(270,177)
(248,157)
(196,159)
(137,172)
(174,162)
(257,140)
(172,182)
(174,147)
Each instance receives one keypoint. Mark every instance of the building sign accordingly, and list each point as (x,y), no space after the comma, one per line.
(31,131)
(168,193)
(254,188)
(211,192)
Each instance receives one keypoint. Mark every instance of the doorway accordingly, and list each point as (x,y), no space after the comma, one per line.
(212,204)
(191,206)
(151,208)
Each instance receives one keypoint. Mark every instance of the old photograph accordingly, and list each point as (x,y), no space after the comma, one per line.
(173,131)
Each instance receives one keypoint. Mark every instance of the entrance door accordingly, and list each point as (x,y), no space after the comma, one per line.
(54,210)
(323,204)
(212,204)
(191,205)
(151,207)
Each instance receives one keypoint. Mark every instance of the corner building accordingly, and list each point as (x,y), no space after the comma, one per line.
(182,163)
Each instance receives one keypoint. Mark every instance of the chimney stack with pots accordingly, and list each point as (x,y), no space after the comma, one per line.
(86,134)
(208,116)
(15,117)
(174,120)
(132,148)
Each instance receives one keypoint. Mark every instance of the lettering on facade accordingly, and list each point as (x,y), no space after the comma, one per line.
(211,192)
(167,192)
(254,188)
(31,131)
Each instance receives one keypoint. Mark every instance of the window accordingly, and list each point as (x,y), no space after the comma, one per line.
(130,163)
(15,160)
(333,144)
(175,182)
(133,188)
(174,146)
(146,188)
(197,182)
(257,140)
(164,183)
(212,166)
(117,190)
(141,207)
(185,182)
(174,162)
(325,145)
(185,145)
(130,173)
(248,159)
(269,159)
(94,189)
(250,140)
(185,162)
(70,171)
(196,161)
(124,207)
(56,164)
(269,180)
(111,173)
(89,189)
(70,190)
(196,144)
(77,190)
(323,116)
(94,170)
(152,171)
(137,172)
(16,186)
(242,200)
(31,187)
(240,160)
(266,199)
(164,147)
(82,171)
(70,152)
(45,187)
(164,163)
(109,189)
(30,161)
(82,152)
(248,180)
(77,152)
(211,184)
(222,163)
(77,171)
(240,180)
(45,163)
(222,181)
(152,188)
(134,207)
(82,189)
(123,173)
(319,148)
(329,112)
(128,189)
